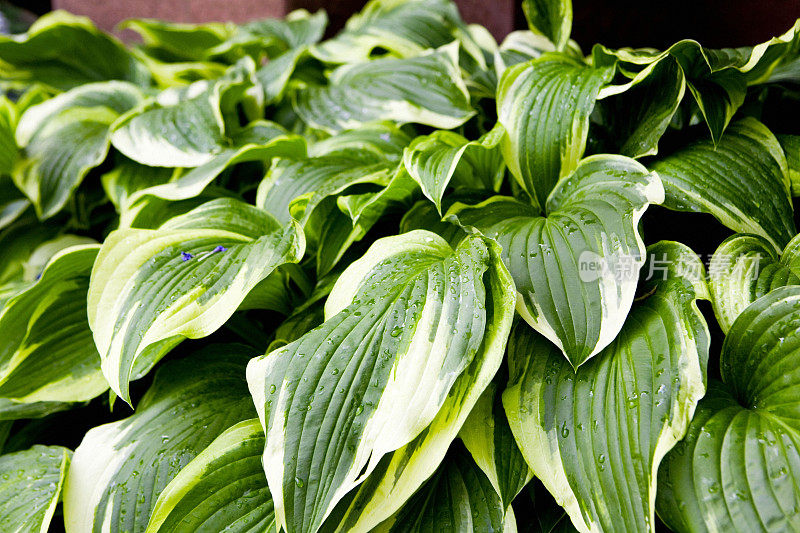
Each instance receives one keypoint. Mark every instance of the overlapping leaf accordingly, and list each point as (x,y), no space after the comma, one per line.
(412,336)
(743,181)
(737,466)
(120,469)
(595,437)
(427,89)
(576,268)
(544,106)
(150,289)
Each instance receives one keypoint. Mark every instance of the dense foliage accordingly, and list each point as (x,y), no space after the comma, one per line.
(400,279)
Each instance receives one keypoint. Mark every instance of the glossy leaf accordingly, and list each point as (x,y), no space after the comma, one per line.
(120,469)
(595,437)
(400,357)
(30,487)
(544,106)
(743,181)
(576,268)
(735,469)
(551,18)
(150,289)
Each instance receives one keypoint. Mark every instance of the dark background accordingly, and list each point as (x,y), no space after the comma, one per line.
(616,23)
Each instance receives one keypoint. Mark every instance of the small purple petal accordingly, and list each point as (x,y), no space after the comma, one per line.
(38,276)
(219,249)
(185,256)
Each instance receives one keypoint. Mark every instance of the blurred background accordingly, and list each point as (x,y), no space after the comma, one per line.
(615,23)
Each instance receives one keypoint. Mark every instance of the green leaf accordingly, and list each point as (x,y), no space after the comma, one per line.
(737,466)
(150,289)
(489,439)
(791,147)
(414,332)
(64,138)
(743,181)
(458,498)
(437,159)
(180,41)
(120,469)
(222,489)
(260,140)
(46,352)
(576,268)
(551,18)
(30,487)
(544,106)
(401,28)
(188,127)
(595,437)
(64,51)
(746,267)
(427,90)
(122,183)
(298,29)
(638,112)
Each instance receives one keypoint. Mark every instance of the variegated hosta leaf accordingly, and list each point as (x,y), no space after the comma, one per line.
(30,487)
(437,159)
(458,499)
(179,41)
(576,268)
(150,289)
(414,332)
(736,470)
(427,89)
(551,18)
(402,28)
(488,437)
(544,106)
(222,489)
(186,127)
(122,183)
(120,469)
(294,188)
(259,141)
(46,348)
(791,147)
(595,437)
(298,29)
(64,51)
(743,181)
(637,113)
(65,137)
(744,268)
(523,45)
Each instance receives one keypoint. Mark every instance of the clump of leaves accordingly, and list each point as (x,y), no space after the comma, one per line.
(403,279)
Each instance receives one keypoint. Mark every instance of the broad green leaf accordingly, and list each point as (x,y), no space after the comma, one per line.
(437,159)
(150,289)
(46,350)
(64,51)
(294,188)
(458,499)
(544,106)
(30,487)
(259,141)
(736,468)
(180,41)
(187,127)
(427,89)
(222,489)
(791,147)
(18,241)
(523,45)
(397,365)
(120,469)
(576,268)
(8,143)
(743,181)
(403,28)
(746,267)
(595,437)
(298,29)
(122,183)
(64,138)
(638,112)
(274,77)
(551,18)
(488,437)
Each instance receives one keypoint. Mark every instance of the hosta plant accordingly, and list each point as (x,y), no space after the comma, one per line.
(405,278)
